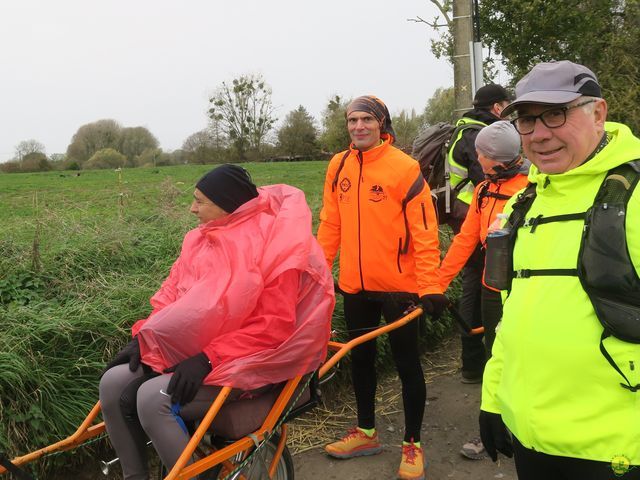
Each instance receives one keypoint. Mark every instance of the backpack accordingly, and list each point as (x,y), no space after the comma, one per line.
(430,149)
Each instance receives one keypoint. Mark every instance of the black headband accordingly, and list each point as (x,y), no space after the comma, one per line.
(375,107)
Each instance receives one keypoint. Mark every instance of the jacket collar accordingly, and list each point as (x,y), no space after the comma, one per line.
(481,115)
(376,152)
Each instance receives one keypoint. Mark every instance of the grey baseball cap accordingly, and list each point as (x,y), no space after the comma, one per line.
(554,83)
(499,141)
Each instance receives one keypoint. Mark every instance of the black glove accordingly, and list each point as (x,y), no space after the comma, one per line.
(129,354)
(187,378)
(494,435)
(434,304)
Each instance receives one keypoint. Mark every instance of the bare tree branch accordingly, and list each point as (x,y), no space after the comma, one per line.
(444,9)
(433,24)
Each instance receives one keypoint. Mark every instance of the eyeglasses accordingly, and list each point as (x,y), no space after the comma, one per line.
(552,118)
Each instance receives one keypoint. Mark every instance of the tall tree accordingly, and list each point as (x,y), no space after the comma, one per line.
(298,134)
(245,112)
(601,34)
(134,141)
(26,147)
(443,45)
(93,137)
(203,147)
(440,107)
(105,158)
(35,162)
(406,125)
(335,136)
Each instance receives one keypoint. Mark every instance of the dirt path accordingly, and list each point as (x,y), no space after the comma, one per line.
(450,420)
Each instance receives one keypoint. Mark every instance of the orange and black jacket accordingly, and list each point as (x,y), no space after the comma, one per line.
(377,211)
(489,199)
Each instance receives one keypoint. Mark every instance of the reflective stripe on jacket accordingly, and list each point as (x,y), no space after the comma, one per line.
(460,172)
(547,378)
(475,226)
(383,247)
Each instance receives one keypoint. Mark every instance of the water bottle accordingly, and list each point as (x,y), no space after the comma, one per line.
(498,269)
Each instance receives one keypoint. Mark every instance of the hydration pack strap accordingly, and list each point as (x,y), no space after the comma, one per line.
(540,220)
(546,272)
(499,196)
(447,180)
(606,355)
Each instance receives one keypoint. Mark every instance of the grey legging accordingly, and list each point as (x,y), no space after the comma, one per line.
(156,419)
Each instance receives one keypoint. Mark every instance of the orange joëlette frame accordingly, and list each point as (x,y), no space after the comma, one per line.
(182,471)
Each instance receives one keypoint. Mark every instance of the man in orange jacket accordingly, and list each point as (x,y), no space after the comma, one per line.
(498,149)
(377,211)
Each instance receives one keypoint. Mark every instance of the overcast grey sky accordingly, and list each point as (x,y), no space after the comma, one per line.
(153,63)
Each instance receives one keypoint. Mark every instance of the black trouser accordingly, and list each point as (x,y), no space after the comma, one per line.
(491,315)
(473,350)
(532,465)
(362,315)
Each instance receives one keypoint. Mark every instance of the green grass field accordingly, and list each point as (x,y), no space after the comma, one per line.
(79,258)
(130,194)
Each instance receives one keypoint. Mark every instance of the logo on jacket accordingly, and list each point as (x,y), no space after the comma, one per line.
(345,184)
(376,194)
(620,465)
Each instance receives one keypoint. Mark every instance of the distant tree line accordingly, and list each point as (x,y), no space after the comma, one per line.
(241,127)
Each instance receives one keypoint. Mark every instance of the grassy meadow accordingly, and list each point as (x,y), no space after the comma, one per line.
(80,255)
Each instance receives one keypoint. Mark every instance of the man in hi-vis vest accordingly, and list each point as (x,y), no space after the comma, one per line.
(466,173)
(564,378)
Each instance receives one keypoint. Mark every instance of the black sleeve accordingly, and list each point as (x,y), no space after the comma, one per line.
(464,153)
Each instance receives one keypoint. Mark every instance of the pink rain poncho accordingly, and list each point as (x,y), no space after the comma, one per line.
(219,297)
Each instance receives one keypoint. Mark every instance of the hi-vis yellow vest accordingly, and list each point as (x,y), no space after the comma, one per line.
(459,172)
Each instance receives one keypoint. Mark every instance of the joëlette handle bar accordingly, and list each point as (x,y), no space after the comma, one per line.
(468,329)
(343,348)
(82,434)
(412,298)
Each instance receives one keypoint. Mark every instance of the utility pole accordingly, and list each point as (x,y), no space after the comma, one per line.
(462,59)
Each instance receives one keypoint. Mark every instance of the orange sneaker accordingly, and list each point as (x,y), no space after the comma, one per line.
(355,444)
(412,464)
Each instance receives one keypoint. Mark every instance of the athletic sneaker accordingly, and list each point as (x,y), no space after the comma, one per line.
(412,464)
(473,449)
(355,444)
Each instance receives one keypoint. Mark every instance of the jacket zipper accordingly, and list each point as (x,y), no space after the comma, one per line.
(424,216)
(359,236)
(399,253)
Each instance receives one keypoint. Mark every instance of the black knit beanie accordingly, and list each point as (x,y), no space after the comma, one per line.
(228,186)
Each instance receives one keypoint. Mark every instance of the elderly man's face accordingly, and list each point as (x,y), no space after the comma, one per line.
(364,130)
(205,209)
(557,150)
